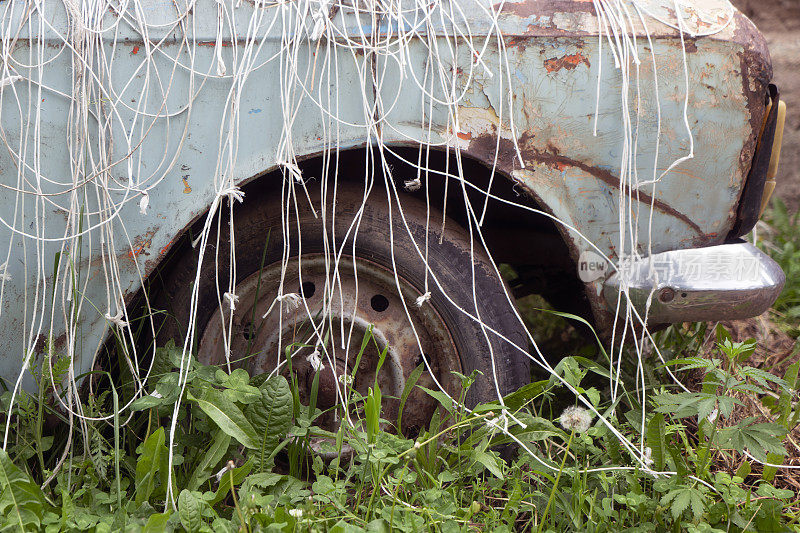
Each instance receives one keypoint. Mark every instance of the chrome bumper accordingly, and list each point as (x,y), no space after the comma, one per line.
(724,282)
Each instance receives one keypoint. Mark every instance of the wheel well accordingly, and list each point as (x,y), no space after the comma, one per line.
(528,241)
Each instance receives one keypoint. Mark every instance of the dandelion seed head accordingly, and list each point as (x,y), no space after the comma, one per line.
(576,419)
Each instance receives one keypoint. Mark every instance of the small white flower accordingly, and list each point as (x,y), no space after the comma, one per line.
(417,445)
(422,299)
(712,416)
(315,360)
(412,185)
(345,379)
(296,513)
(144,203)
(232,300)
(156,394)
(576,419)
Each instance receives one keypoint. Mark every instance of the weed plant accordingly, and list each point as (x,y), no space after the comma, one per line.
(248,457)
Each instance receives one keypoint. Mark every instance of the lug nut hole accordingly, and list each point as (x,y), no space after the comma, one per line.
(379,303)
(307,289)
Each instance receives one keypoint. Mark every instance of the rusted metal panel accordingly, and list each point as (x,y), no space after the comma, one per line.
(552,54)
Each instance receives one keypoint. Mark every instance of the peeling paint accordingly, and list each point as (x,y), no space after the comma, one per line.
(569,62)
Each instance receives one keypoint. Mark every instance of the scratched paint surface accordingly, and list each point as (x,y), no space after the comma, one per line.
(554,63)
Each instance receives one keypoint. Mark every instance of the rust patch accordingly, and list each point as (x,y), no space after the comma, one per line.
(544,7)
(569,62)
(223,43)
(141,243)
(464,136)
(560,162)
(484,146)
(135,50)
(166,247)
(690,44)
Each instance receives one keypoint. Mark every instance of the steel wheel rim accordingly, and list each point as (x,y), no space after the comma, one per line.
(364,292)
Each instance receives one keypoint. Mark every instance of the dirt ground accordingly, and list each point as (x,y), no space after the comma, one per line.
(779,21)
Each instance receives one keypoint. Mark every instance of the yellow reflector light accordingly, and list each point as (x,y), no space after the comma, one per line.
(772,170)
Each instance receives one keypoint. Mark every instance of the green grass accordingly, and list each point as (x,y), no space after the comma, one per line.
(780,238)
(451,477)
(243,458)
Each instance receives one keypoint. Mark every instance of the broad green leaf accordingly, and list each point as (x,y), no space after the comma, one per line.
(655,440)
(190,511)
(237,386)
(441,397)
(762,377)
(227,416)
(768,491)
(524,394)
(211,458)
(758,439)
(271,415)
(148,465)
(690,363)
(570,370)
(407,388)
(21,500)
(165,358)
(769,472)
(744,469)
(372,412)
(681,498)
(722,334)
(157,523)
(146,402)
(490,461)
(233,476)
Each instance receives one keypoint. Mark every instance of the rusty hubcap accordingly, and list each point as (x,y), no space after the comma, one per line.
(342,307)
